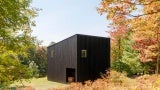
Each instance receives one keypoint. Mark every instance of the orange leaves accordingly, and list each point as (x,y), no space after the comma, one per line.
(114,7)
(143,23)
(152,8)
(119,31)
(148,54)
(145,38)
(146,44)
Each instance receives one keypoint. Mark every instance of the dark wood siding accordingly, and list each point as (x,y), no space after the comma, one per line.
(98,57)
(65,56)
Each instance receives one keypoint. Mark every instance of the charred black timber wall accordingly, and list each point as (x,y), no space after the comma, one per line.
(64,56)
(98,58)
(67,54)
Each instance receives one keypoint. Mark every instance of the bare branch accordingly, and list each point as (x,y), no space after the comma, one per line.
(134,3)
(141,14)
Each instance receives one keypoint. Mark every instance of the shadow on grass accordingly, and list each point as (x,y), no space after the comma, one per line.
(18,88)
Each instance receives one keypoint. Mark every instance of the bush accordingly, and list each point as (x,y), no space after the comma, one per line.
(11,69)
(34,69)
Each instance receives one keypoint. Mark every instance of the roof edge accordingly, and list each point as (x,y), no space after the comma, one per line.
(76,35)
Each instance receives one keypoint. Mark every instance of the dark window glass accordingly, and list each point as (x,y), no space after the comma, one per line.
(84,53)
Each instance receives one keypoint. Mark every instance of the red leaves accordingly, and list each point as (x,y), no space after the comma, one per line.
(119,31)
(143,24)
(147,49)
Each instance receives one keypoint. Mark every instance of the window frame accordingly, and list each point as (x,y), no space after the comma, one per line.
(52,53)
(83,53)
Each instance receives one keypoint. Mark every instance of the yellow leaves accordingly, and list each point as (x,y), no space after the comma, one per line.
(151,53)
(110,15)
(144,35)
(152,7)
(144,23)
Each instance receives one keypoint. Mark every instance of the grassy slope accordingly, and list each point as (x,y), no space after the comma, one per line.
(40,84)
(113,82)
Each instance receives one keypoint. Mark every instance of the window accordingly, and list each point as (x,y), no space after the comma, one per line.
(84,53)
(52,53)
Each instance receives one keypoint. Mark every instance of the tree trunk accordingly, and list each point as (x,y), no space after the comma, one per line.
(158,56)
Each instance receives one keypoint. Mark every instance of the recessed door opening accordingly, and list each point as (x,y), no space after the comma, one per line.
(70,75)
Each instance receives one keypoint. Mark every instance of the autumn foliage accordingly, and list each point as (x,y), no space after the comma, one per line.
(140,18)
(116,81)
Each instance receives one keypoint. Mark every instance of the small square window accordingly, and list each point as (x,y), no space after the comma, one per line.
(84,53)
(52,53)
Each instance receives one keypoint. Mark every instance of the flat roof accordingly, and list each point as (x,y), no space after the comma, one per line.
(77,35)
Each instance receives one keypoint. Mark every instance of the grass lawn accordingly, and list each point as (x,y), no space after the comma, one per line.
(114,81)
(40,84)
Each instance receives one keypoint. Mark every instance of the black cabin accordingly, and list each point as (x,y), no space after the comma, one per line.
(81,57)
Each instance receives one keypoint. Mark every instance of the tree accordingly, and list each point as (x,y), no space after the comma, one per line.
(36,60)
(11,69)
(125,58)
(140,16)
(16,21)
(16,14)
(41,60)
(15,38)
(51,43)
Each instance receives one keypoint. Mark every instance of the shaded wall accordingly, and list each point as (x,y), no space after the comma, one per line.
(65,56)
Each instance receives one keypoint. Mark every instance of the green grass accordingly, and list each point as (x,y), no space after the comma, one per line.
(39,84)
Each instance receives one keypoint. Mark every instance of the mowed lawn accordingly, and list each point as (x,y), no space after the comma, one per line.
(40,84)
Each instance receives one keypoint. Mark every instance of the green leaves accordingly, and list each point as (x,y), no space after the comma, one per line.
(12,13)
(11,69)
(128,61)
(141,17)
(15,38)
(36,59)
